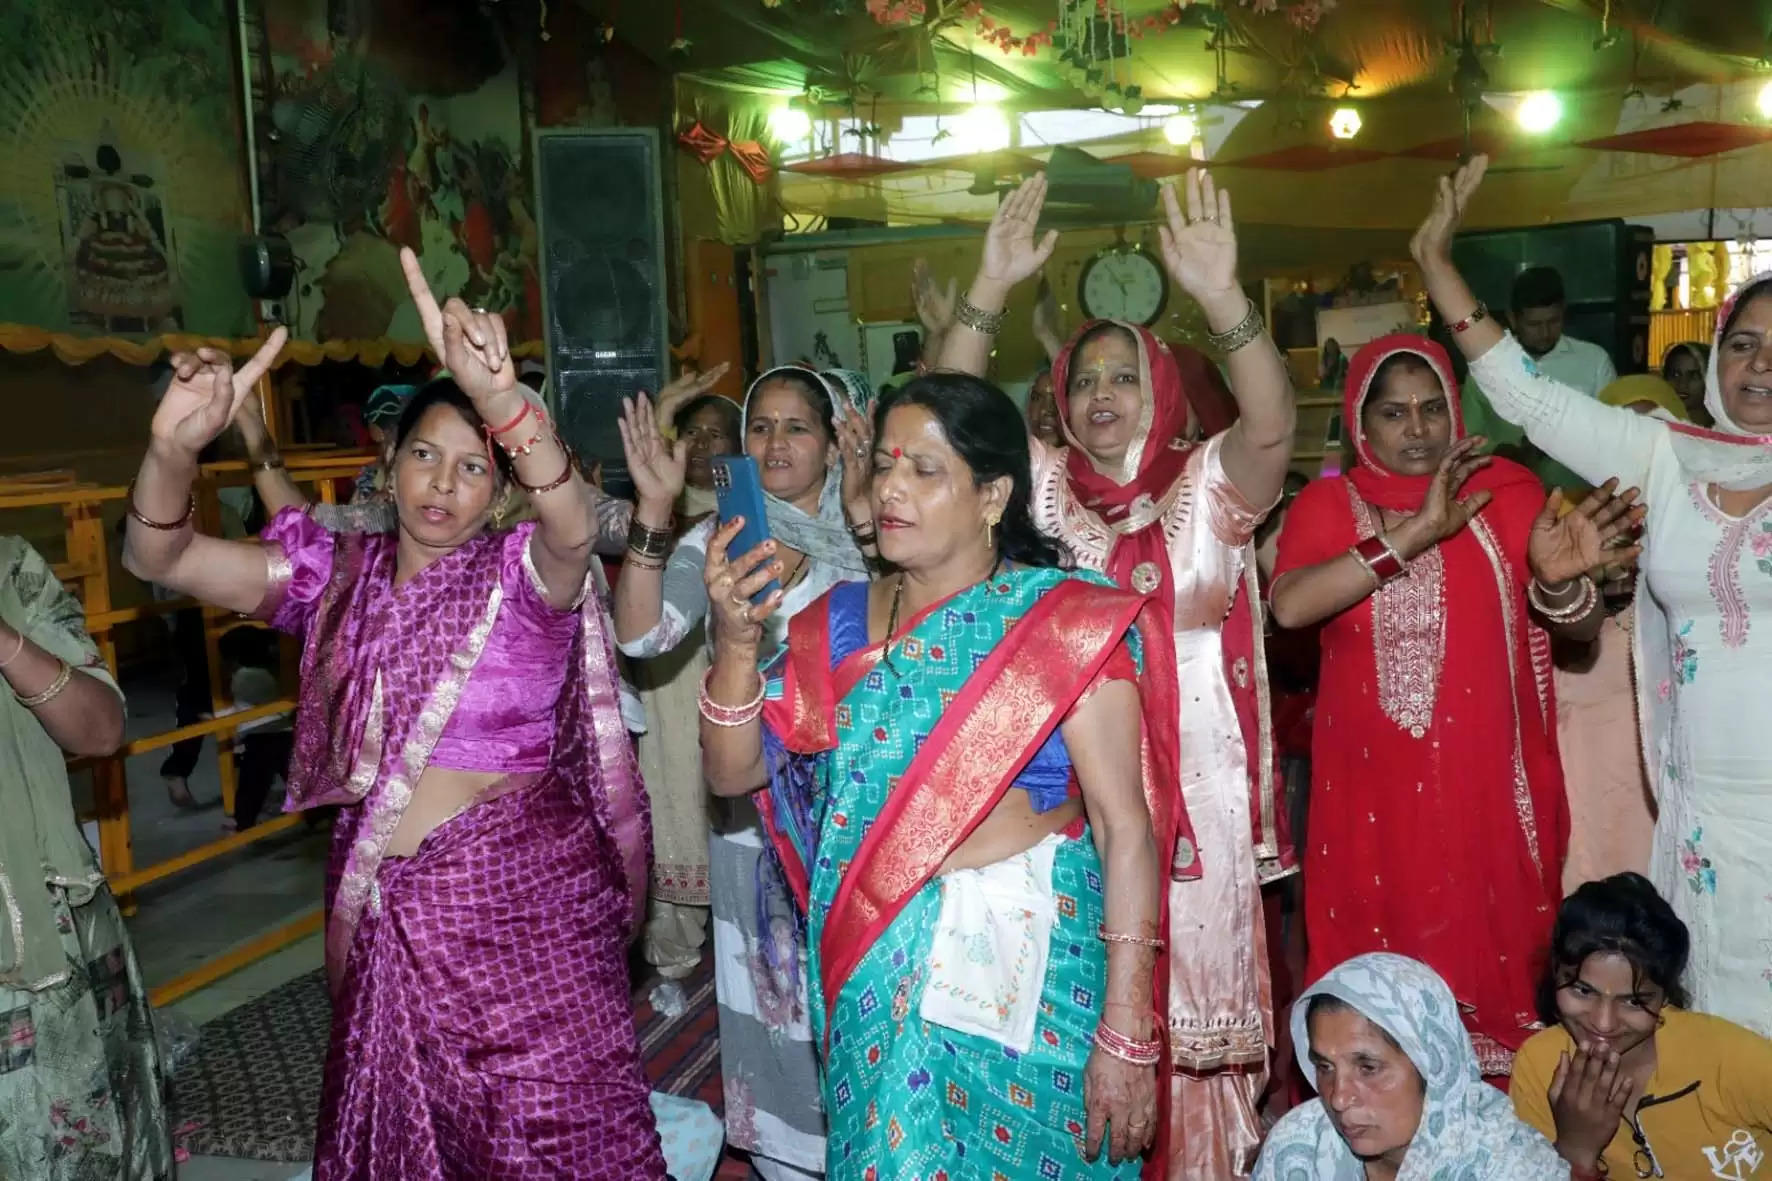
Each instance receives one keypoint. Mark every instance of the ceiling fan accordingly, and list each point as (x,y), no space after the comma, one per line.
(1469,83)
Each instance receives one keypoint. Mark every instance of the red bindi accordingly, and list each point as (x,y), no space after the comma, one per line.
(898,453)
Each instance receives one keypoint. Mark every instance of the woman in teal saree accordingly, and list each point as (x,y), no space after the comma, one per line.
(963,796)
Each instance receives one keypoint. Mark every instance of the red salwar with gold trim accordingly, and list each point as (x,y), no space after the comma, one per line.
(1438,822)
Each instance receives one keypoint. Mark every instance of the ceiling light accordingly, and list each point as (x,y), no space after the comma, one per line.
(982,129)
(1765,100)
(1539,112)
(790,125)
(1180,130)
(1344,123)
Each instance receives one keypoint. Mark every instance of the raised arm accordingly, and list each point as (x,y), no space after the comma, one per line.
(935,309)
(655,566)
(1010,256)
(1200,253)
(478,357)
(161,544)
(270,479)
(1593,440)
(689,385)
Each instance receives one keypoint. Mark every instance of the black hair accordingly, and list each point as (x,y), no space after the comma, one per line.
(1095,332)
(1392,364)
(442,391)
(729,415)
(1537,287)
(1623,915)
(811,387)
(1325,1003)
(1744,297)
(984,427)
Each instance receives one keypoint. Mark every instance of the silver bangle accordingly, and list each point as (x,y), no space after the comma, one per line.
(972,316)
(1575,612)
(1247,329)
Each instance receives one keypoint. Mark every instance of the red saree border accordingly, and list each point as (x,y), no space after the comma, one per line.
(970,759)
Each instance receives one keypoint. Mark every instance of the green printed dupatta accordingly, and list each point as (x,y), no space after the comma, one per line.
(879,770)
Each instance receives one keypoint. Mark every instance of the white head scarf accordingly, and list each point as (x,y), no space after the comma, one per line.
(1728,456)
(824,538)
(1468,1130)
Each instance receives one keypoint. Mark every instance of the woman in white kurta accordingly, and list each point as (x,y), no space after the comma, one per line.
(1703,613)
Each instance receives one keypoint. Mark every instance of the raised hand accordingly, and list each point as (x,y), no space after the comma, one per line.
(1200,248)
(470,342)
(430,316)
(206,393)
(855,439)
(1443,512)
(1048,324)
(689,385)
(1010,252)
(1565,545)
(935,306)
(656,466)
(1432,242)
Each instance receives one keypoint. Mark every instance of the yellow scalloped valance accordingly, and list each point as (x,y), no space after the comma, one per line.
(77,350)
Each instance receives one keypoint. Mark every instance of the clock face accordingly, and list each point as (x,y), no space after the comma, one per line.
(1123,285)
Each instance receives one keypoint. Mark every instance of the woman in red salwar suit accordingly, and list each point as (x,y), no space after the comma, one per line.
(1437,817)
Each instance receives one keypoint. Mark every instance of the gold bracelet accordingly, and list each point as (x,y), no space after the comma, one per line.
(50,694)
(274,463)
(972,316)
(1247,329)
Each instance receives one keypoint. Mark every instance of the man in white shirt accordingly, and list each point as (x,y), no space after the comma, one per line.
(1537,305)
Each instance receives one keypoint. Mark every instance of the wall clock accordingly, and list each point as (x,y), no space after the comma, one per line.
(1123,283)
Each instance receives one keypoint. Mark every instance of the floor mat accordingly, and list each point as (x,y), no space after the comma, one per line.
(251,1087)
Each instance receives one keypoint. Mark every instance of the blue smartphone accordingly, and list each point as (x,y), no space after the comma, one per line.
(738,488)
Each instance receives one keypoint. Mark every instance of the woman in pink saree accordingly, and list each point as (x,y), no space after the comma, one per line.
(459,704)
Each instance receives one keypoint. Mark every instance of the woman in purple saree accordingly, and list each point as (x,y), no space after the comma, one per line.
(459,703)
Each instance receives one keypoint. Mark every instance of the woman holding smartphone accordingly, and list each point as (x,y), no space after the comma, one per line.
(799,428)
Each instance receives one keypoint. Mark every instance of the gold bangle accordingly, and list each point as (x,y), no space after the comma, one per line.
(50,694)
(1247,329)
(274,463)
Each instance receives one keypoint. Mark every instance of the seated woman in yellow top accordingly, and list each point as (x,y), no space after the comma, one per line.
(1628,1083)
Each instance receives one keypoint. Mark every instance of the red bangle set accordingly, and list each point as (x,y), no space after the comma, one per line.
(1380,558)
(1127,1049)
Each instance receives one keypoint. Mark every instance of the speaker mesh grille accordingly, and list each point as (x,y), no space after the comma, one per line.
(602,223)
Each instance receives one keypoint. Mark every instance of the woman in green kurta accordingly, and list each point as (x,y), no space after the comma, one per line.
(81,1083)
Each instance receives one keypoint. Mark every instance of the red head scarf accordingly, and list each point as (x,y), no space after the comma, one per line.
(1376,483)
(1127,500)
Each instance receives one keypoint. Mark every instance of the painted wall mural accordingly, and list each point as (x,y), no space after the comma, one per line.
(398,123)
(122,189)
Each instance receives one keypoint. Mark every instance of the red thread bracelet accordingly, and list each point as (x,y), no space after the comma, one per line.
(521,415)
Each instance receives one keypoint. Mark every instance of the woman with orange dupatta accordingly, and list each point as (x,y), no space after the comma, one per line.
(1437,818)
(1136,500)
(963,798)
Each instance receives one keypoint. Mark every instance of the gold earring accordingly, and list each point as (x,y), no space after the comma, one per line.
(498,515)
(990,531)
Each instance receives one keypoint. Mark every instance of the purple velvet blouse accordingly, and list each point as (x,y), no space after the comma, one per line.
(504,722)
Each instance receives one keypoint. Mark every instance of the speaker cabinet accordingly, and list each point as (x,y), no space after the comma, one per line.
(1606,271)
(600,212)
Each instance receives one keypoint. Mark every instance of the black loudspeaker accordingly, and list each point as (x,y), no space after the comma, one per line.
(1605,267)
(267,266)
(600,211)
